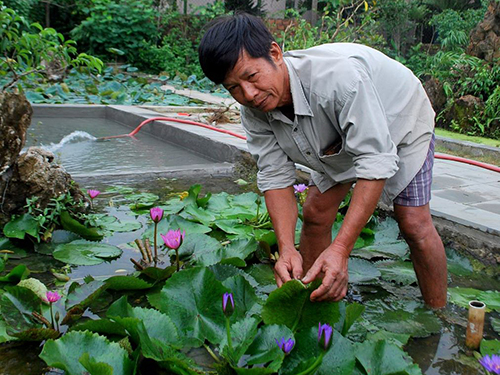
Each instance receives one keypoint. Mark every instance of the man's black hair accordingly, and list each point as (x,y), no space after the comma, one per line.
(225,40)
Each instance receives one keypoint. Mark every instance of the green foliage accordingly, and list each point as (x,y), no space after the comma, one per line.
(28,51)
(453,27)
(121,25)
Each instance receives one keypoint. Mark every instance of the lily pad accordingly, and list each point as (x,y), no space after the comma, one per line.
(16,307)
(22,225)
(124,226)
(462,297)
(490,347)
(84,253)
(264,275)
(291,306)
(382,357)
(242,335)
(18,273)
(362,271)
(83,295)
(399,272)
(65,353)
(127,283)
(244,296)
(192,298)
(458,264)
(239,249)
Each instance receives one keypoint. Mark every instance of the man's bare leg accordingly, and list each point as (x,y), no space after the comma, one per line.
(320,211)
(427,252)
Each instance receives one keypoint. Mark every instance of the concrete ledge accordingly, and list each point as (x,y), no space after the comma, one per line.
(69,110)
(474,149)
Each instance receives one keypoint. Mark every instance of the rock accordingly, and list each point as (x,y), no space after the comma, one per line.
(436,93)
(31,174)
(15,118)
(485,37)
(463,111)
(36,175)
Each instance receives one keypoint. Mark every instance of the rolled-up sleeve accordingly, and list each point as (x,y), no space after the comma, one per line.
(276,169)
(363,122)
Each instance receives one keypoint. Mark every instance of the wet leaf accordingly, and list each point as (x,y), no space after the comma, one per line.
(84,253)
(22,225)
(362,271)
(127,283)
(489,347)
(462,297)
(17,252)
(291,306)
(100,326)
(242,334)
(83,295)
(36,286)
(244,297)
(16,307)
(382,358)
(399,272)
(458,264)
(18,273)
(192,298)
(264,275)
(240,249)
(264,349)
(65,353)
(124,226)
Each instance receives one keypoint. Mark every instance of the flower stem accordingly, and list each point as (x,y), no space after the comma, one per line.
(314,366)
(212,354)
(156,248)
(177,259)
(51,316)
(229,341)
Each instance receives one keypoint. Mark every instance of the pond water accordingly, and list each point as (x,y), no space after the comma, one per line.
(443,353)
(80,153)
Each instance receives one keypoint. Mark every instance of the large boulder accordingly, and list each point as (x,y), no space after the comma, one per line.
(435,92)
(463,111)
(32,173)
(15,118)
(485,37)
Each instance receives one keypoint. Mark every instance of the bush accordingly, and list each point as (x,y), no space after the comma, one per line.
(123,25)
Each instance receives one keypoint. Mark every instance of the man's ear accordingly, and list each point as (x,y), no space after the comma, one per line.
(276,53)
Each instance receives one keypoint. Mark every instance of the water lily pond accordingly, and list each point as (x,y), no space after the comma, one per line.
(117,316)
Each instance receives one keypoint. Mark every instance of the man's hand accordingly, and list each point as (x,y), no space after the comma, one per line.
(288,267)
(333,264)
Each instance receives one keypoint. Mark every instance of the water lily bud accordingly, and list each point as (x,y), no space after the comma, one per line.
(228,308)
(93,193)
(52,297)
(156,214)
(285,345)
(325,333)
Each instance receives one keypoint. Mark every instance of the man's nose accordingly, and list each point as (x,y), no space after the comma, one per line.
(249,91)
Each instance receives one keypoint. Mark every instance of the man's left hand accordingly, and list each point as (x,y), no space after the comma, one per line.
(333,264)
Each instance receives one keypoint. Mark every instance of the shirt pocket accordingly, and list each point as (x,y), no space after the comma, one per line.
(336,158)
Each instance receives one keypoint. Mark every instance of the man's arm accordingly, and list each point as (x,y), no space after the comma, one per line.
(282,208)
(333,260)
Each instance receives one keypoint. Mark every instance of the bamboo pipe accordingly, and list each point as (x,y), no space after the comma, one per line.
(475,324)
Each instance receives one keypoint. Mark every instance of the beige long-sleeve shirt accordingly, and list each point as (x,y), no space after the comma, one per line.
(358,114)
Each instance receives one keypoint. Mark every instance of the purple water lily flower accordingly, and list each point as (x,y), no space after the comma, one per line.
(173,239)
(325,333)
(93,193)
(300,188)
(228,308)
(285,345)
(491,363)
(156,214)
(52,297)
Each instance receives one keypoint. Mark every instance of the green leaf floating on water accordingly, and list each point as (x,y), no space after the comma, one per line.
(16,306)
(192,298)
(84,253)
(362,271)
(18,273)
(127,283)
(399,272)
(291,306)
(71,224)
(83,295)
(68,353)
(238,249)
(462,297)
(339,359)
(22,225)
(458,264)
(489,347)
(382,357)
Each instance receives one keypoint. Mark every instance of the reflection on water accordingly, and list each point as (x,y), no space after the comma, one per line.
(74,143)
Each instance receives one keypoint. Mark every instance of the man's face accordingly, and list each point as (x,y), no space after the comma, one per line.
(258,83)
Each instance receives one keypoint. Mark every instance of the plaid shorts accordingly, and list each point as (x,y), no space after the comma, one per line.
(418,191)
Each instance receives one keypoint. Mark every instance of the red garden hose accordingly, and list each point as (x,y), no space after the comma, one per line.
(171,119)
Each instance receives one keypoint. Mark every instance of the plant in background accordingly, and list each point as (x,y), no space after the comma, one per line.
(156,214)
(31,51)
(173,240)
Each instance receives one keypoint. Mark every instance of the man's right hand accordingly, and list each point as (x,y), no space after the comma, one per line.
(288,267)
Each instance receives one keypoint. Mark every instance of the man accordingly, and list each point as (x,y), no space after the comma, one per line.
(352,115)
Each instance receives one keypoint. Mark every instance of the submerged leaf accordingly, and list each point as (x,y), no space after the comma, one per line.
(84,253)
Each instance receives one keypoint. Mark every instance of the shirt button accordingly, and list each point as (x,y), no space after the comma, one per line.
(295,129)
(308,153)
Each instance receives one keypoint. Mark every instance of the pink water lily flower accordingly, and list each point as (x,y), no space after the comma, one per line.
(156,214)
(93,193)
(173,239)
(52,297)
